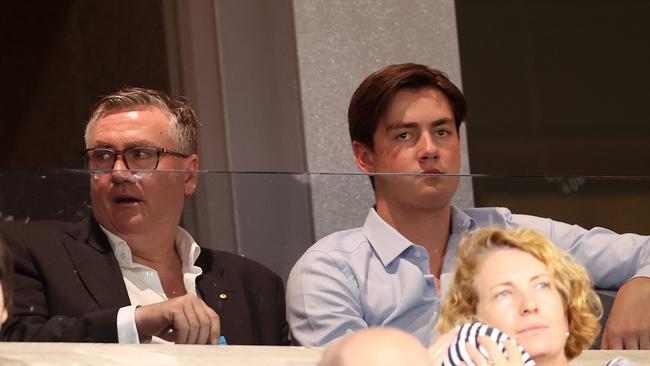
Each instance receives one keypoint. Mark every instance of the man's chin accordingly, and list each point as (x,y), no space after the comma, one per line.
(122,224)
(443,188)
(434,196)
(133,226)
(432,203)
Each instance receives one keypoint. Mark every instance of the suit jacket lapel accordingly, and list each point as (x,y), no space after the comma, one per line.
(94,260)
(225,294)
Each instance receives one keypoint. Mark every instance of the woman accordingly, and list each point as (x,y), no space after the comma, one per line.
(521,283)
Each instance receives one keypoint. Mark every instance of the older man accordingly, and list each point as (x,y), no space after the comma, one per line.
(129,273)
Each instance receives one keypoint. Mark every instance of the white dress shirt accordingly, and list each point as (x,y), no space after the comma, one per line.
(143,284)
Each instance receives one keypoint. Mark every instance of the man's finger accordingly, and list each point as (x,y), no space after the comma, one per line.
(181,326)
(204,322)
(193,325)
(631,342)
(644,340)
(612,341)
(215,326)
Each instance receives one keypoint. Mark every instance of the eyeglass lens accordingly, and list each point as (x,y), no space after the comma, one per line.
(144,158)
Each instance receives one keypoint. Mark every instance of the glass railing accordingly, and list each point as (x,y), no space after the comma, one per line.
(274,217)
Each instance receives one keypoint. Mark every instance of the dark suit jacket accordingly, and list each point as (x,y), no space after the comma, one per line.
(69,288)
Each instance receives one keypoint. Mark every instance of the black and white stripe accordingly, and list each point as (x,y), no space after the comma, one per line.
(469,332)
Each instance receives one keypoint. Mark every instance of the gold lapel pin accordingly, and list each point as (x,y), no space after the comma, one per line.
(223,296)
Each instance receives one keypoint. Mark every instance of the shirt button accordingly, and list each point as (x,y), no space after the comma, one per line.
(418,254)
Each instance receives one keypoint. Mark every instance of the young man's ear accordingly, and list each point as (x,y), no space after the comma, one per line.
(364,157)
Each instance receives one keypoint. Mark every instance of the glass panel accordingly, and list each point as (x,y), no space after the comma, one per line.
(63,55)
(274,222)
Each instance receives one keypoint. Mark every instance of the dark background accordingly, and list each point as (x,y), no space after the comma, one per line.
(559,88)
(58,57)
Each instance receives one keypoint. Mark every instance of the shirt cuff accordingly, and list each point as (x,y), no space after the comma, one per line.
(127,332)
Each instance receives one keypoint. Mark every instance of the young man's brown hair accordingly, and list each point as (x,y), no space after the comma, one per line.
(372,98)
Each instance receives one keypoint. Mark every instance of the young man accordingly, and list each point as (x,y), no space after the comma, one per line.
(405,119)
(129,273)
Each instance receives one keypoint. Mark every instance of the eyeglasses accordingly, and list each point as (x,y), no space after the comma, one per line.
(135,158)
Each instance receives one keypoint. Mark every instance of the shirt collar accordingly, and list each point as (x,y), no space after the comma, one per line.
(460,221)
(188,250)
(389,244)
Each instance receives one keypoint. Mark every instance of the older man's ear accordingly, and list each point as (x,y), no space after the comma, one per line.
(192,175)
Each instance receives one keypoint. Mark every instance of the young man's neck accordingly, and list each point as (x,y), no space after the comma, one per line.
(428,227)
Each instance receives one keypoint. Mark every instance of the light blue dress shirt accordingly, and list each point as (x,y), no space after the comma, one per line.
(373,276)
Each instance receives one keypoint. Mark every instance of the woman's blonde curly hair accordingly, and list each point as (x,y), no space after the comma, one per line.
(583,307)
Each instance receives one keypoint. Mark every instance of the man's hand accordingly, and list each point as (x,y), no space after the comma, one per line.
(188,318)
(628,326)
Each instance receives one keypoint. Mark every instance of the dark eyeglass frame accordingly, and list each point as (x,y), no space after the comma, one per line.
(158,150)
